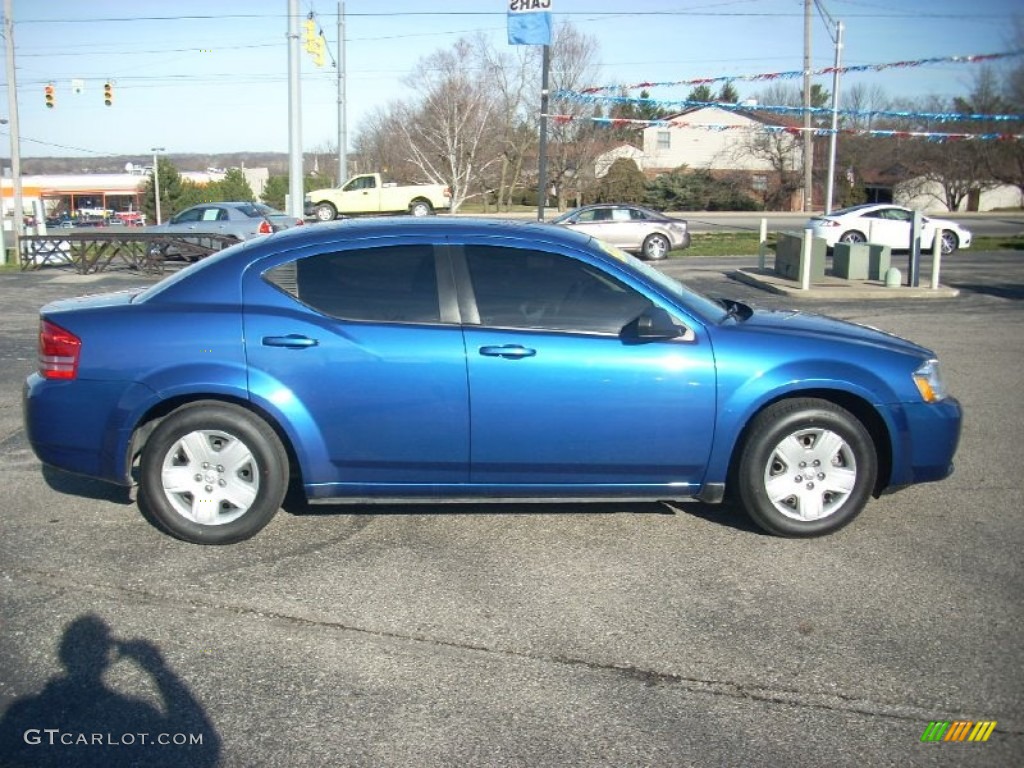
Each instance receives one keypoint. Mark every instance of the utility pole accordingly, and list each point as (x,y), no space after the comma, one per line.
(542,149)
(808,137)
(296,189)
(342,123)
(835,120)
(12,108)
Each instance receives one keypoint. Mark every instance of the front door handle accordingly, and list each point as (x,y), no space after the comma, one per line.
(508,351)
(291,341)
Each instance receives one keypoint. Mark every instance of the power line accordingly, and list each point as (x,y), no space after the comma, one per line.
(501,14)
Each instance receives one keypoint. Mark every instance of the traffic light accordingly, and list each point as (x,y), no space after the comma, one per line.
(108,93)
(309,35)
(51,95)
(319,47)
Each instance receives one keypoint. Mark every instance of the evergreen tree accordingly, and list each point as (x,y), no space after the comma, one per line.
(728,94)
(624,183)
(176,193)
(701,93)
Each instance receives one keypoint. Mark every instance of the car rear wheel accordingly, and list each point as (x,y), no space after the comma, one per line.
(852,237)
(420,208)
(212,473)
(807,468)
(656,247)
(950,242)
(325,212)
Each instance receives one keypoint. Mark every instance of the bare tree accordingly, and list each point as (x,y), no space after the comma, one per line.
(575,139)
(515,115)
(450,123)
(951,171)
(782,151)
(375,148)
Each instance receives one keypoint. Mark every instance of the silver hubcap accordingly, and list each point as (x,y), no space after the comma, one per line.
(419,209)
(948,243)
(324,214)
(810,474)
(210,477)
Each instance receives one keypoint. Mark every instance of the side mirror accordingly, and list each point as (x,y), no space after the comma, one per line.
(653,323)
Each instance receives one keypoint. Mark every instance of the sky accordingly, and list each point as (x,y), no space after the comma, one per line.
(211,76)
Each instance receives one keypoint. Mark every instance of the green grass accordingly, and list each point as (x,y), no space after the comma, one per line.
(723,244)
(745,244)
(988,243)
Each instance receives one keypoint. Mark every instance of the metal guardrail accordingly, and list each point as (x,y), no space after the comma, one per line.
(94,252)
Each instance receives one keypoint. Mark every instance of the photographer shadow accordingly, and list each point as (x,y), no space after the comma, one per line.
(79,720)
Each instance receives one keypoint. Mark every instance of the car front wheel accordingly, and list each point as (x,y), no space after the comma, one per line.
(807,468)
(656,247)
(212,473)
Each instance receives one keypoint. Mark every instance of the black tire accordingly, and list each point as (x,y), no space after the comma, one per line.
(325,211)
(853,236)
(420,208)
(950,242)
(807,468)
(212,473)
(656,247)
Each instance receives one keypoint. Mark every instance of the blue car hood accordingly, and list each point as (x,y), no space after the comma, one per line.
(798,323)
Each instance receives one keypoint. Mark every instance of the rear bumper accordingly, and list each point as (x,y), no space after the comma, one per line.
(80,426)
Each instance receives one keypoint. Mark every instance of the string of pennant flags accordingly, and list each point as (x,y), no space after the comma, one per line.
(618,122)
(769,76)
(941,117)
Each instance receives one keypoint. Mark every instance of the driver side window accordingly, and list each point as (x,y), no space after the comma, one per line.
(520,288)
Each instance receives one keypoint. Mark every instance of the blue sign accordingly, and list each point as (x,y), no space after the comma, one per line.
(529,22)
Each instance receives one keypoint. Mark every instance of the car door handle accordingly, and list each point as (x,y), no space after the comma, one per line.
(291,341)
(508,351)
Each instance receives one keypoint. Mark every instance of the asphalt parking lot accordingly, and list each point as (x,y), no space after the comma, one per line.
(607,635)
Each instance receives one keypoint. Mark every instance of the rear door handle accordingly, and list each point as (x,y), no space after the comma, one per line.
(508,351)
(291,341)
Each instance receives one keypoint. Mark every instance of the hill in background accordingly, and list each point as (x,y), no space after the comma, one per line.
(275,162)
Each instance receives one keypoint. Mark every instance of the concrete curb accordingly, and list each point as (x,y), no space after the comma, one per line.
(836,288)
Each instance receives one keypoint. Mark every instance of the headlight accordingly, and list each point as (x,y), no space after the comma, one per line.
(929,382)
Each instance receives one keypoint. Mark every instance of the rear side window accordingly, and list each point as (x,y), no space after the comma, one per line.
(390,284)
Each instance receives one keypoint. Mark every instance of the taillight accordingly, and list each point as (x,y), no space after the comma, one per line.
(264,228)
(58,351)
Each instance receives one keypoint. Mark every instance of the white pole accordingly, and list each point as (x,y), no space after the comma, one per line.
(18,223)
(936,258)
(156,180)
(762,247)
(808,137)
(295,186)
(805,259)
(835,121)
(342,123)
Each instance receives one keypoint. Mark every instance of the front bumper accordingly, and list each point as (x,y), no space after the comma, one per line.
(929,435)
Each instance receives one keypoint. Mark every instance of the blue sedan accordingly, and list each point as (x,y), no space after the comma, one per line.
(430,360)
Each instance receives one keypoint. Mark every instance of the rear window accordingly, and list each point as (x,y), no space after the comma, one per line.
(251,210)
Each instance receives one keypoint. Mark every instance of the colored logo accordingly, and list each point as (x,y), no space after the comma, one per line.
(958,730)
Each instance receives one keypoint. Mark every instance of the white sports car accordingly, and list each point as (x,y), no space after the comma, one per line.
(886,224)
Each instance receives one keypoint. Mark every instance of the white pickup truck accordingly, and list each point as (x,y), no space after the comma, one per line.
(371,193)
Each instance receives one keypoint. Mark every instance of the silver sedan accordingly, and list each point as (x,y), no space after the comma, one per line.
(237,219)
(630,227)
